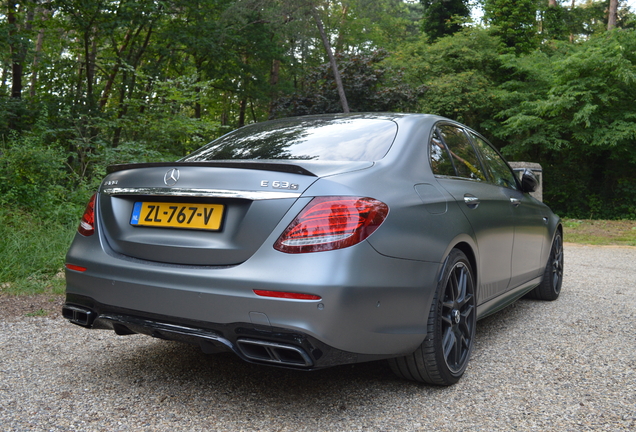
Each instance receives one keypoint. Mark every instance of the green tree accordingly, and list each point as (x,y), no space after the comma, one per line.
(369,84)
(575,114)
(460,72)
(514,21)
(443,17)
(554,21)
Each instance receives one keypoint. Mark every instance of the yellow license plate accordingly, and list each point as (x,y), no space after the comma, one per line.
(178,215)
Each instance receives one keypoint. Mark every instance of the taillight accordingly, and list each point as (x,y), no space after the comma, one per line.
(328,223)
(87,224)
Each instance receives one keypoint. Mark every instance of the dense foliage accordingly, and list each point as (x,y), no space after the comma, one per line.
(84,84)
(443,17)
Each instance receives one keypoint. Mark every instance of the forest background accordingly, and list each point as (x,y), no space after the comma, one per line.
(89,83)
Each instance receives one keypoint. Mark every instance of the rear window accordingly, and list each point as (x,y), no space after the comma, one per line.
(339,139)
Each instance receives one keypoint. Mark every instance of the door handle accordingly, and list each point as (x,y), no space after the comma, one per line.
(471,201)
(515,202)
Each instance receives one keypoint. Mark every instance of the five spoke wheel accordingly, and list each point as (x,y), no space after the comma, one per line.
(443,356)
(457,317)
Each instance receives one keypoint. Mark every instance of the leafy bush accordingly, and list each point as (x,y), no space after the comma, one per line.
(34,177)
(32,252)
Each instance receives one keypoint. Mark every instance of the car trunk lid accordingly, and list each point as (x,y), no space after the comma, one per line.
(202,213)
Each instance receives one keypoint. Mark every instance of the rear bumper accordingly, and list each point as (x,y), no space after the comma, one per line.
(274,346)
(371,306)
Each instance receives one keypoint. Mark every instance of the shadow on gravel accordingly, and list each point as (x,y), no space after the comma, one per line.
(170,372)
(174,374)
(494,326)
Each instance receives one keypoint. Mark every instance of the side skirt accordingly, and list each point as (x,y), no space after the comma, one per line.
(506,299)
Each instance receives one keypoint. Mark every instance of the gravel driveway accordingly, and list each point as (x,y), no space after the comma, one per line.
(568,365)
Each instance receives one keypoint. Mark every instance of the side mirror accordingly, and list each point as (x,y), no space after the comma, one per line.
(529,182)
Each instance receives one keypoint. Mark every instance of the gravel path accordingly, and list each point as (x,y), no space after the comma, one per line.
(568,365)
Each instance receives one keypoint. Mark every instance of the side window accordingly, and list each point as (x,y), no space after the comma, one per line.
(495,165)
(440,158)
(462,153)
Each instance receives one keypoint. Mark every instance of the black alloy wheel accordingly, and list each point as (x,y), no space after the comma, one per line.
(457,318)
(443,356)
(556,262)
(550,286)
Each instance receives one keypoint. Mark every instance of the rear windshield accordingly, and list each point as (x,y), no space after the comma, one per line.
(340,139)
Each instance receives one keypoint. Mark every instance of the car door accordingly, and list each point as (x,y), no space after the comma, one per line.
(488,208)
(530,216)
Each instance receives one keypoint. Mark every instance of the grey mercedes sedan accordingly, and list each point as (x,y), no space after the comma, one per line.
(318,241)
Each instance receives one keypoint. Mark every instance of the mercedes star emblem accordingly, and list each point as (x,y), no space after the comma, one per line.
(172,177)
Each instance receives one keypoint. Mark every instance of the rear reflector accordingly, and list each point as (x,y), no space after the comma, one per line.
(286,295)
(87,224)
(75,267)
(328,223)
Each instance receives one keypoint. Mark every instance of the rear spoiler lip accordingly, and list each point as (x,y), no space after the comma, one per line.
(254,165)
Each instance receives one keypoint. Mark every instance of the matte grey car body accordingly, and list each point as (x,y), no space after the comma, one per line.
(444,219)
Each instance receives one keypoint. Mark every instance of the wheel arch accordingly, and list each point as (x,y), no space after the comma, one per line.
(472,258)
(556,228)
(469,248)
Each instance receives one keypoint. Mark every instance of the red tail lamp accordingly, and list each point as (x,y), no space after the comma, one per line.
(329,223)
(87,224)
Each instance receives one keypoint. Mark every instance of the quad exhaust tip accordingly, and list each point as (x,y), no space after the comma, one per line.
(253,349)
(272,352)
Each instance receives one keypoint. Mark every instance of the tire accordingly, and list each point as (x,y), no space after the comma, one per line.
(443,356)
(550,287)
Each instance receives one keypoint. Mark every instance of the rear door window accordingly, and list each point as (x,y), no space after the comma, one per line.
(441,162)
(462,154)
(499,171)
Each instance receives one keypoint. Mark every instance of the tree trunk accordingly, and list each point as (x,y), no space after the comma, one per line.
(45,14)
(197,107)
(3,79)
(613,12)
(127,89)
(332,60)
(16,80)
(242,108)
(88,68)
(36,59)
(123,109)
(274,76)
(111,78)
(16,51)
(80,82)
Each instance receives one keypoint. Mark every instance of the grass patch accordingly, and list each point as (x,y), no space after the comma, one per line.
(39,312)
(600,232)
(32,253)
